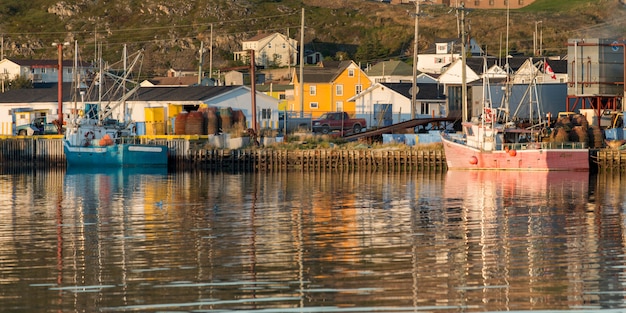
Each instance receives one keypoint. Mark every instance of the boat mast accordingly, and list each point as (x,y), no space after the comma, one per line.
(463,65)
(507,89)
(125,65)
(100,82)
(488,114)
(76,80)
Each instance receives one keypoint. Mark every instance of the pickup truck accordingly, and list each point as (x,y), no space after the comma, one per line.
(338,121)
(37,127)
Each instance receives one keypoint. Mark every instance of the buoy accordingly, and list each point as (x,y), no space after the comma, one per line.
(473,160)
(512,153)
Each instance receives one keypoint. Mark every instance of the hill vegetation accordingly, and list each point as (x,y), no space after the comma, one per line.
(366,31)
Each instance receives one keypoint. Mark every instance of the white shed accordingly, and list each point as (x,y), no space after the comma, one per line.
(384,104)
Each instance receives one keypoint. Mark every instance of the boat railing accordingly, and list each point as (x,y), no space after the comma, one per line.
(544,145)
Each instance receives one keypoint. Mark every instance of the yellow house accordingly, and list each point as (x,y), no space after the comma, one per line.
(327,88)
(278,91)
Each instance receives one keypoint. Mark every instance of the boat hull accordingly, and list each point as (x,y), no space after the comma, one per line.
(116,155)
(462,157)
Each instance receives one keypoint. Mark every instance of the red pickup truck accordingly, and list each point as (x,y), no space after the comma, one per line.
(338,121)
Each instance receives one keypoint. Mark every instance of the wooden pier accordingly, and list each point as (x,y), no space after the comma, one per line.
(610,160)
(47,151)
(314,160)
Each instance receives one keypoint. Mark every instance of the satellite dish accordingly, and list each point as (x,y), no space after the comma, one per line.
(414,93)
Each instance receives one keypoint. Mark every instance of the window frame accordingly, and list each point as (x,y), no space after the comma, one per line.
(339,90)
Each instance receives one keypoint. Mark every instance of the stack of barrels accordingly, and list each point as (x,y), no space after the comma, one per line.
(208,121)
(575,128)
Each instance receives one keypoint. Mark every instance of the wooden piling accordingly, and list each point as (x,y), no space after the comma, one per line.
(185,154)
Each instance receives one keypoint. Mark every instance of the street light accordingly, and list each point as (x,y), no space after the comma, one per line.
(60,82)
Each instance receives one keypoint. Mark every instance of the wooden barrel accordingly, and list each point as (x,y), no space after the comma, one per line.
(239,118)
(226,118)
(194,124)
(180,123)
(212,122)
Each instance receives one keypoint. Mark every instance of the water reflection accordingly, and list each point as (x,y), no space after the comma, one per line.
(311,242)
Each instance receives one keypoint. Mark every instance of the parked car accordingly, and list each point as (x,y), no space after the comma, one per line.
(37,127)
(338,121)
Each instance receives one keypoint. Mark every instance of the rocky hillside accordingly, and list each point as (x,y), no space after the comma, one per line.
(171,31)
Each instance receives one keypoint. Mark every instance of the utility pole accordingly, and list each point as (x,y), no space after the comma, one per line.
(201,52)
(535,39)
(211,53)
(302,65)
(253,91)
(59,47)
(415,47)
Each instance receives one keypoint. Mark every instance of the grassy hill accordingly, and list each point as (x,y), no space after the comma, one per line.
(367,31)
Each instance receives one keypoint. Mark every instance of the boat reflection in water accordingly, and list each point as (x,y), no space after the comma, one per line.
(490,185)
(533,234)
(116,171)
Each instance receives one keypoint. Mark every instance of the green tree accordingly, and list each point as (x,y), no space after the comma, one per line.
(371,49)
(18,82)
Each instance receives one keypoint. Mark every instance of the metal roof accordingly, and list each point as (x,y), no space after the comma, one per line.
(49,93)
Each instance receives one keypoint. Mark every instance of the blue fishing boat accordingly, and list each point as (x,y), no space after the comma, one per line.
(93,138)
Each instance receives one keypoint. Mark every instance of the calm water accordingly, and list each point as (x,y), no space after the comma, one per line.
(291,242)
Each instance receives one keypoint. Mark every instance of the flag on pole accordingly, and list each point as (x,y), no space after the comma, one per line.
(548,70)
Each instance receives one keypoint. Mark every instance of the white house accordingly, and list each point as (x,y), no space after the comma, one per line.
(384,104)
(445,51)
(452,75)
(273,49)
(42,71)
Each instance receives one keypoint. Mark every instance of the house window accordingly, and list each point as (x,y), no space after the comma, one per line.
(269,45)
(339,106)
(520,2)
(351,72)
(339,90)
(312,90)
(266,114)
(313,105)
(477,2)
(284,46)
(358,89)
(491,2)
(282,97)
(424,108)
(43,70)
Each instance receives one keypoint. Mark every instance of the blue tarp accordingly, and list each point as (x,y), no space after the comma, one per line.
(412,139)
(614,133)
